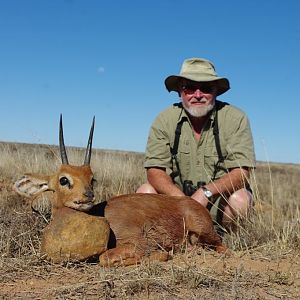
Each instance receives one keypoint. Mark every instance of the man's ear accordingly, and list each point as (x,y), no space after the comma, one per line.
(31,185)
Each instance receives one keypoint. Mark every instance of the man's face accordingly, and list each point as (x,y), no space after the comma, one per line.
(198,98)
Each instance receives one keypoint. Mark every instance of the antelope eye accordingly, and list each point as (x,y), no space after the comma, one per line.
(64,181)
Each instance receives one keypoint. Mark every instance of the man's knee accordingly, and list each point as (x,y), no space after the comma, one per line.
(146,188)
(241,201)
(239,206)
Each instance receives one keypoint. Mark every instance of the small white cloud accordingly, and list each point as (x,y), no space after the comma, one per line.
(100,70)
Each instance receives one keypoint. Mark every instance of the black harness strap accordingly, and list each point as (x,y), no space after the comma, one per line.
(174,149)
(221,204)
(217,137)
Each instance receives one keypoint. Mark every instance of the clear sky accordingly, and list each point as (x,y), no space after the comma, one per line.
(109,59)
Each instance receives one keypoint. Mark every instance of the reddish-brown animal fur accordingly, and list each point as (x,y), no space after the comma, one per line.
(151,225)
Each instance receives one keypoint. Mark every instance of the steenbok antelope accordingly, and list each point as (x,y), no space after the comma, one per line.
(141,225)
(71,234)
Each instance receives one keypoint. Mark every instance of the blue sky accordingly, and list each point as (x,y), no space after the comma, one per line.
(110,58)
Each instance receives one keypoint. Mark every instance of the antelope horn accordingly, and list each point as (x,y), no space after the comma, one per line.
(62,147)
(88,151)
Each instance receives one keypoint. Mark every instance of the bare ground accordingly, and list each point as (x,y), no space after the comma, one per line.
(193,275)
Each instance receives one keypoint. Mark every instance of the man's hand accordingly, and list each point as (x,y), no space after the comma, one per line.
(200,197)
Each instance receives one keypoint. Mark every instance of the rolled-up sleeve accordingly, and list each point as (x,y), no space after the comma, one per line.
(239,146)
(158,145)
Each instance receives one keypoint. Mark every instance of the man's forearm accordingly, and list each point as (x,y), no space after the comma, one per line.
(234,180)
(162,182)
(225,186)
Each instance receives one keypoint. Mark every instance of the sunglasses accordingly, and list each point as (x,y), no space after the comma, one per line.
(191,88)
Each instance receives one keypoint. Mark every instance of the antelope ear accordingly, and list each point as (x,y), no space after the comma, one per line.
(31,185)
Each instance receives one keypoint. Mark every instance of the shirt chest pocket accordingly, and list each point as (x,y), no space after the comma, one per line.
(210,152)
(184,157)
(211,159)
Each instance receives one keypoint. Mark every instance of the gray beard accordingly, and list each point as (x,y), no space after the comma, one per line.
(199,112)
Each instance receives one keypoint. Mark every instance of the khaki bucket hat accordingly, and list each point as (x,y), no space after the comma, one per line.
(200,70)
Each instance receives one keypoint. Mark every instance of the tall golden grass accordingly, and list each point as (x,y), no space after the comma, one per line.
(273,230)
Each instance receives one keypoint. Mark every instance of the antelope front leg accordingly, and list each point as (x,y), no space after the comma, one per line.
(123,255)
(127,255)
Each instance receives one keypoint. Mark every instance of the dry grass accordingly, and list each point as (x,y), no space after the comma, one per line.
(266,263)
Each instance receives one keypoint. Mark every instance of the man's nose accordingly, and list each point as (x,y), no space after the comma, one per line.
(198,93)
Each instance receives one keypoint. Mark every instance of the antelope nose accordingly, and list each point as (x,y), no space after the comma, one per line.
(89,194)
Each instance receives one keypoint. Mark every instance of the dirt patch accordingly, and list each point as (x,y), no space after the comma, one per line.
(186,276)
